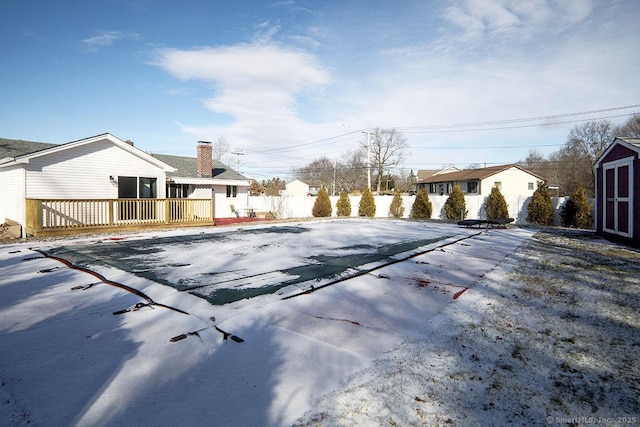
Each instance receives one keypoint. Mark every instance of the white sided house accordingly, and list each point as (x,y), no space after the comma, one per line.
(101,166)
(103,181)
(301,188)
(202,177)
(511,180)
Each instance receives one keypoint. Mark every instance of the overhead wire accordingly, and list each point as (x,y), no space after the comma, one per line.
(547,120)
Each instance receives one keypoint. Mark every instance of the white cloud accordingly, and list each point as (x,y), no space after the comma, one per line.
(484,18)
(251,79)
(107,38)
(261,86)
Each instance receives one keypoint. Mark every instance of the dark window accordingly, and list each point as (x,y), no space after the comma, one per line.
(178,191)
(433,188)
(127,187)
(232,191)
(472,187)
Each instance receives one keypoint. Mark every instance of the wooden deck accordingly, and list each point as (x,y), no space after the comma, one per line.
(56,217)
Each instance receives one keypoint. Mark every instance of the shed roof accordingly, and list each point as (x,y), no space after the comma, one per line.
(475,174)
(631,143)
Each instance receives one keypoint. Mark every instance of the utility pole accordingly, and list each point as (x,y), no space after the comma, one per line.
(368,158)
(238,154)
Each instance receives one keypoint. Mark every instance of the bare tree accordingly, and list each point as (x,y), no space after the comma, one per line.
(319,171)
(474,166)
(273,186)
(591,138)
(534,160)
(585,144)
(388,148)
(351,174)
(629,129)
(220,148)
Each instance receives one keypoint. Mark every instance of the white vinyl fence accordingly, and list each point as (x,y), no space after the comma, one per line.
(301,206)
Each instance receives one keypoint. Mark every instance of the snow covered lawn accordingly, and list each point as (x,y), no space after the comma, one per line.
(370,322)
(549,337)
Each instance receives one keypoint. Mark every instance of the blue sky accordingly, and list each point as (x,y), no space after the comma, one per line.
(289,81)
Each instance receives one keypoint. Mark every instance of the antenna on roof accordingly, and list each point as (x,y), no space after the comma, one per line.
(238,153)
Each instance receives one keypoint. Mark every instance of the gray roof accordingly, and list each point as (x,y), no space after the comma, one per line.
(474,174)
(16,147)
(187,167)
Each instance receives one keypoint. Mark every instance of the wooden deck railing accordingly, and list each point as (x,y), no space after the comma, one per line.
(56,216)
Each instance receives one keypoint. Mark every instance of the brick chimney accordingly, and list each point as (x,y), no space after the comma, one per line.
(205,154)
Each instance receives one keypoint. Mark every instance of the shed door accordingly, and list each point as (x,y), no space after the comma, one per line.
(618,197)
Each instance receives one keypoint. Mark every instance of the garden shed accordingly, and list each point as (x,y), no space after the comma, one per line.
(618,190)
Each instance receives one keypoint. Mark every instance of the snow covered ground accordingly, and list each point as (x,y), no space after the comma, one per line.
(371,322)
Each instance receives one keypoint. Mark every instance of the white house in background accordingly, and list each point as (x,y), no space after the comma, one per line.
(300,188)
(511,180)
(106,167)
(202,177)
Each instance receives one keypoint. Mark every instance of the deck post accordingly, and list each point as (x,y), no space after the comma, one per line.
(111,207)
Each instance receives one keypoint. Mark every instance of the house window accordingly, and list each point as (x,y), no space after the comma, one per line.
(531,186)
(433,188)
(178,191)
(232,191)
(449,188)
(147,188)
(498,185)
(132,187)
(472,187)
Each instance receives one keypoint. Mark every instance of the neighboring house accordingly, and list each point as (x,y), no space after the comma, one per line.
(512,180)
(618,190)
(202,177)
(101,166)
(425,174)
(300,188)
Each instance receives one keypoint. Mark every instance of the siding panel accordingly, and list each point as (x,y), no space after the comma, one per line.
(12,205)
(84,172)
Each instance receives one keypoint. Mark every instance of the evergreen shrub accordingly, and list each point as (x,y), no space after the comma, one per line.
(421,206)
(455,207)
(540,210)
(496,205)
(322,205)
(576,212)
(396,209)
(344,205)
(367,205)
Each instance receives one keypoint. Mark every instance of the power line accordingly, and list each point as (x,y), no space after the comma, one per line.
(434,130)
(463,127)
(526,119)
